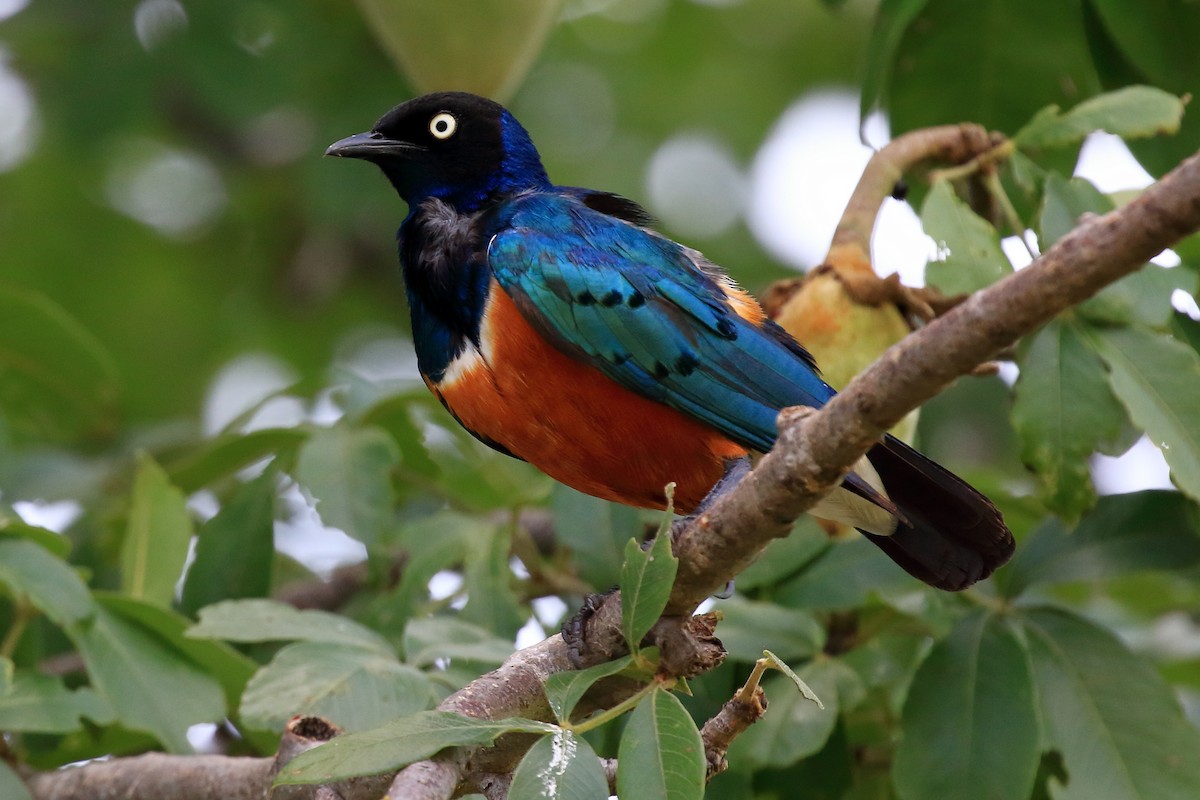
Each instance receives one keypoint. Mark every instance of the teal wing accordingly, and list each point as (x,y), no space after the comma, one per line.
(645,312)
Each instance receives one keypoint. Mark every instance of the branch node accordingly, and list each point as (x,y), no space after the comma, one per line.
(688,645)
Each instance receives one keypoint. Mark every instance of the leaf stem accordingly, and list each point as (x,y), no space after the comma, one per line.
(614,712)
(992,181)
(982,161)
(746,693)
(23,614)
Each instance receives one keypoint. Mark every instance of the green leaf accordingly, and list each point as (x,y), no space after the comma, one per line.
(270,621)
(1115,721)
(786,556)
(1143,296)
(845,575)
(348,472)
(646,580)
(226,454)
(973,258)
(661,754)
(970,720)
(1064,411)
(11,785)
(55,376)
(42,704)
(235,549)
(1124,533)
(793,727)
(1022,179)
(805,690)
(1147,32)
(12,526)
(971,61)
(481,479)
(157,536)
(395,414)
(749,626)
(565,689)
(560,766)
(478,546)
(231,668)
(1137,41)
(1025,174)
(48,582)
(596,531)
(892,19)
(150,685)
(434,543)
(889,658)
(400,742)
(1156,377)
(491,600)
(1063,203)
(1186,330)
(426,639)
(356,688)
(1132,112)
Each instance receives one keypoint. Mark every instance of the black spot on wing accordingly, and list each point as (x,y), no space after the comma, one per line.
(686,364)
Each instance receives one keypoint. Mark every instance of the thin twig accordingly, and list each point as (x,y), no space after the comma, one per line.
(741,711)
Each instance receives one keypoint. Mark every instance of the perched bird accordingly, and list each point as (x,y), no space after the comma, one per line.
(558,327)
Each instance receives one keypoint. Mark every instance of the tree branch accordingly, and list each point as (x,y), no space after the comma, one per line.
(160,776)
(814,450)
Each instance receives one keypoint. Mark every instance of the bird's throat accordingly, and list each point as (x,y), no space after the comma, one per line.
(446,279)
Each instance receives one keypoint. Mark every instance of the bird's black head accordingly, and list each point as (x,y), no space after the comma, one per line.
(455,146)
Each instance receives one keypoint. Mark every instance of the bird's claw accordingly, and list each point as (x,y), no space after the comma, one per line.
(574,630)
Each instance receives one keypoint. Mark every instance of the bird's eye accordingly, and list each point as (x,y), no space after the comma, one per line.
(443,125)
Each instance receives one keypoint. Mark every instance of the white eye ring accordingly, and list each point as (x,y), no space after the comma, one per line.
(443,125)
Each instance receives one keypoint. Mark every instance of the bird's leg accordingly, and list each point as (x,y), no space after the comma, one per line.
(735,470)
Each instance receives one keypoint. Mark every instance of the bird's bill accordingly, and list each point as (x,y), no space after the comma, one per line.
(369,145)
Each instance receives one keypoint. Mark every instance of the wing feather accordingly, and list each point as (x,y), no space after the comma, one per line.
(639,308)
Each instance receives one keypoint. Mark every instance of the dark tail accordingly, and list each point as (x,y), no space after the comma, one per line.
(952,536)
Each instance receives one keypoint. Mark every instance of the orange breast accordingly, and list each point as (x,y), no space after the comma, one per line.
(575,424)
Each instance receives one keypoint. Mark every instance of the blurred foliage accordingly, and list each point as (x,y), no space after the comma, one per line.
(202,345)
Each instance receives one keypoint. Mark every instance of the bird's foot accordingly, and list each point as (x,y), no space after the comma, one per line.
(574,630)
